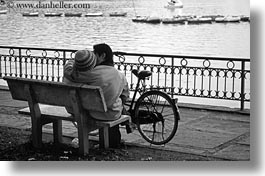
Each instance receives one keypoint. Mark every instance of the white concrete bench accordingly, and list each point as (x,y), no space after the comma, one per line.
(82,98)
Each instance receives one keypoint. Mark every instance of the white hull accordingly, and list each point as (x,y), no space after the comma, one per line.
(94,14)
(3,11)
(172,5)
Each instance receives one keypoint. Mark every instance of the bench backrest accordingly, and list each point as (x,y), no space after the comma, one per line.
(55,93)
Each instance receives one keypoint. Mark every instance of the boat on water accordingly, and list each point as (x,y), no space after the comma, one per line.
(52,14)
(228,19)
(30,14)
(3,11)
(94,14)
(213,17)
(118,14)
(153,20)
(205,20)
(245,18)
(199,20)
(191,19)
(73,14)
(173,4)
(139,19)
(174,20)
(220,19)
(147,19)
(233,19)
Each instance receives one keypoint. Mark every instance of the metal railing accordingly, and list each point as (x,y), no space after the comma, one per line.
(193,76)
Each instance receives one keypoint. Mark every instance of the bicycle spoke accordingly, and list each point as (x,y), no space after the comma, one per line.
(153,104)
(163,107)
(157,102)
(146,105)
(154,131)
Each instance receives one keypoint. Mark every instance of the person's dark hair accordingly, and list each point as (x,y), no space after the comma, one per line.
(104,48)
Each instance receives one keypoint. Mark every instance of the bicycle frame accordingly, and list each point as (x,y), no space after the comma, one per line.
(135,92)
(145,113)
(138,90)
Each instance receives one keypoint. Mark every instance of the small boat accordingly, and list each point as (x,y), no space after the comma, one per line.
(30,14)
(232,19)
(245,18)
(173,4)
(199,20)
(213,17)
(227,19)
(73,14)
(118,14)
(205,20)
(139,19)
(193,21)
(52,14)
(3,11)
(95,14)
(186,17)
(153,20)
(144,19)
(178,20)
(220,19)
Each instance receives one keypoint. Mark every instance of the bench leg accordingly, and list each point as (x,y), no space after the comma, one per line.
(83,139)
(104,137)
(36,133)
(57,131)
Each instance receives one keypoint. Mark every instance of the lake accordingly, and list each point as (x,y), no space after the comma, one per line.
(216,39)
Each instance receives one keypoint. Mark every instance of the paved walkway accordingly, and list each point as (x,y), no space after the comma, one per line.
(221,134)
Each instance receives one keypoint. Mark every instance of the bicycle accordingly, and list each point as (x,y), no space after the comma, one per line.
(155,113)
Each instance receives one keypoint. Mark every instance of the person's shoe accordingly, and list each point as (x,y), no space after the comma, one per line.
(75,143)
(119,145)
(130,127)
(94,133)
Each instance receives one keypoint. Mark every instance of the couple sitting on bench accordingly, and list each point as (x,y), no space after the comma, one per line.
(97,68)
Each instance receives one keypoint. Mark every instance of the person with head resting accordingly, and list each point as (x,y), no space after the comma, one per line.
(84,61)
(97,68)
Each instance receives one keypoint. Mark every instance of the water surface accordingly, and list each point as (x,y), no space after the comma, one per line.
(228,40)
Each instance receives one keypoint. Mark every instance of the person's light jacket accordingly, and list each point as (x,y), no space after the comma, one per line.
(113,83)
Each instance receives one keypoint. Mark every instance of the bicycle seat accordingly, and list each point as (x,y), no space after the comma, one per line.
(141,74)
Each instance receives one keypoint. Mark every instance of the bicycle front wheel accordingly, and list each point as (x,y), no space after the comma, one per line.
(156,117)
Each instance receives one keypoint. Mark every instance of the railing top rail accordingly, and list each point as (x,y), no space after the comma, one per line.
(137,54)
(183,56)
(35,48)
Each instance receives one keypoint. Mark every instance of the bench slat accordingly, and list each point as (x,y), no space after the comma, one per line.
(51,111)
(110,124)
(60,113)
(54,93)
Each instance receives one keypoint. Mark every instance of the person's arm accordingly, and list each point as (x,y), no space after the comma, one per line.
(67,72)
(68,69)
(125,92)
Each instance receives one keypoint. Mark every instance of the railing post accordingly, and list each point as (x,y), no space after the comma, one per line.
(20,62)
(242,86)
(1,66)
(172,77)
(64,61)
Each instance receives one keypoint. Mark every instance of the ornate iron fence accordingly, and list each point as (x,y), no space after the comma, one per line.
(193,76)
(34,63)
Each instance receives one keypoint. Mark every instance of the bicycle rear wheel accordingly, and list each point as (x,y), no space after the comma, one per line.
(156,117)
